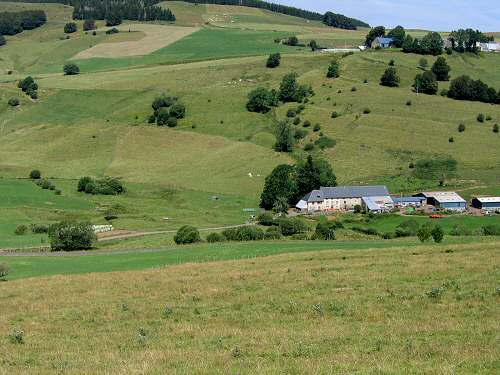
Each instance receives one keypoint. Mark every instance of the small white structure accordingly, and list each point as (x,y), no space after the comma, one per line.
(102,228)
(489,47)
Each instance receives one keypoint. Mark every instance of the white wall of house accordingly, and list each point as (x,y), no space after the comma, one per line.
(334,204)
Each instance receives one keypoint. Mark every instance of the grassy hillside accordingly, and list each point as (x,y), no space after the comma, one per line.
(96,123)
(430,309)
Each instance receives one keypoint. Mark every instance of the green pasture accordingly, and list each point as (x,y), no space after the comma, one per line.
(66,264)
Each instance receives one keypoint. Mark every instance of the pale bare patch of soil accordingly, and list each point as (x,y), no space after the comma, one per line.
(154,37)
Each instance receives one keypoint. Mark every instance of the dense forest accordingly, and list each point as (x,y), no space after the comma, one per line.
(342,22)
(137,10)
(12,23)
(330,19)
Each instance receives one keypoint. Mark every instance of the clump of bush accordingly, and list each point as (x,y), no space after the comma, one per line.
(408,228)
(70,28)
(325,142)
(13,102)
(167,111)
(274,60)
(45,184)
(216,237)
(273,233)
(333,70)
(291,113)
(291,226)
(71,236)
(187,235)
(100,186)
(495,128)
(35,174)
(261,100)
(480,117)
(113,30)
(4,270)
(39,228)
(21,230)
(29,87)
(461,127)
(71,69)
(266,219)
(367,231)
(335,114)
(245,233)
(325,230)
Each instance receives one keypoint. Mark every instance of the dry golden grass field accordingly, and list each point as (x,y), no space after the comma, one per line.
(154,38)
(424,310)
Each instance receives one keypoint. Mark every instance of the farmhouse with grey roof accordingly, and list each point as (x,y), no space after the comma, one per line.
(345,198)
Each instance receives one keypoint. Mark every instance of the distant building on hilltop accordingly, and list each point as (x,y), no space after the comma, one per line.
(489,47)
(382,42)
(346,198)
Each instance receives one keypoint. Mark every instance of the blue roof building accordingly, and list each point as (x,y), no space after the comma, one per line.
(382,42)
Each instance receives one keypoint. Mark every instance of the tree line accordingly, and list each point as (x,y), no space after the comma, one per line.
(330,19)
(115,10)
(12,23)
(466,40)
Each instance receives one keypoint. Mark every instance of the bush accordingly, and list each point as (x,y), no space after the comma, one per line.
(274,60)
(300,134)
(408,228)
(316,128)
(71,69)
(366,111)
(178,111)
(390,78)
(461,128)
(391,63)
(187,235)
(273,233)
(246,233)
(39,228)
(437,234)
(291,113)
(368,231)
(480,117)
(216,237)
(426,83)
(35,174)
(4,270)
(306,124)
(71,236)
(354,89)
(325,142)
(70,28)
(461,230)
(408,103)
(45,184)
(424,233)
(296,120)
(89,24)
(171,122)
(113,30)
(261,100)
(325,230)
(333,70)
(335,114)
(16,336)
(21,230)
(495,128)
(266,219)
(309,147)
(491,230)
(291,226)
(13,102)
(101,186)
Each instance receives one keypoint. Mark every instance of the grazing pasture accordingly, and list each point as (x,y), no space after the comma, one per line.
(411,309)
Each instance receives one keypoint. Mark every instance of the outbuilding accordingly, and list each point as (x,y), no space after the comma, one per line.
(382,42)
(487,203)
(408,201)
(445,200)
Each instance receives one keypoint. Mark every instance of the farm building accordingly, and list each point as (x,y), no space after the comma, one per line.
(445,200)
(382,42)
(489,47)
(487,203)
(377,204)
(408,201)
(345,198)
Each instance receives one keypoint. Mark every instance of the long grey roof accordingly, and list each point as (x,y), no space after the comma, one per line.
(354,191)
(314,196)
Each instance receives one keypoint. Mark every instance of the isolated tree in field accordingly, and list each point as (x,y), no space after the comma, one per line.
(437,234)
(187,235)
(441,69)
(35,174)
(70,28)
(398,34)
(461,128)
(89,24)
(426,83)
(313,45)
(423,63)
(333,70)
(390,77)
(284,137)
(279,184)
(274,60)
(374,33)
(70,236)
(3,41)
(288,88)
(71,69)
(261,100)
(312,174)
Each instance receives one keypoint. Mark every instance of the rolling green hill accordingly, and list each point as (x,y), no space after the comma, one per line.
(95,123)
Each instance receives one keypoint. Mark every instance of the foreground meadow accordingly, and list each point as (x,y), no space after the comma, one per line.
(425,309)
